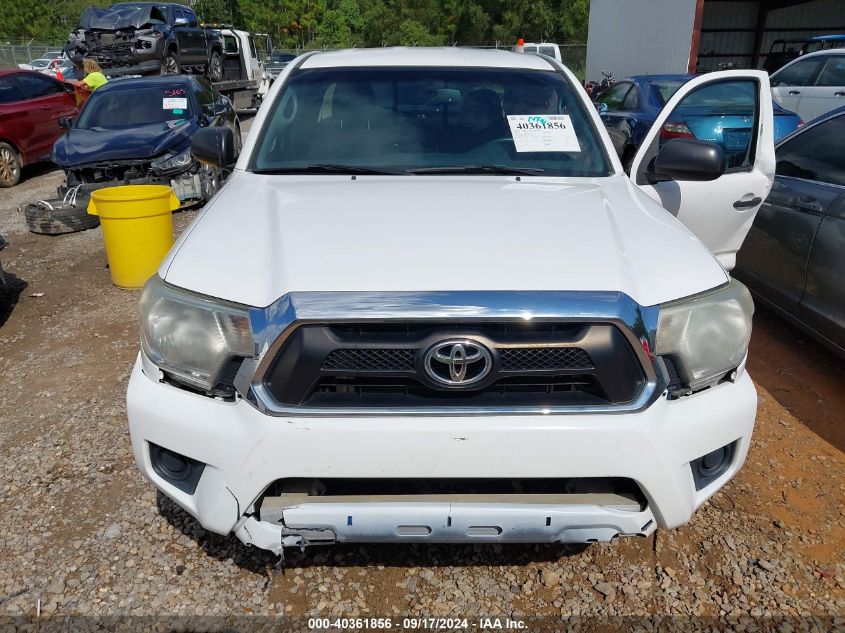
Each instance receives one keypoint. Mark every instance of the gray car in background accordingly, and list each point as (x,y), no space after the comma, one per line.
(793,259)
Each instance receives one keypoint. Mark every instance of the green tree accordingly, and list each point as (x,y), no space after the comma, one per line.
(221,11)
(414,33)
(341,26)
(335,23)
(473,24)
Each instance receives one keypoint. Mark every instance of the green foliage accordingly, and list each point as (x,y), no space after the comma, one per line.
(340,23)
(42,20)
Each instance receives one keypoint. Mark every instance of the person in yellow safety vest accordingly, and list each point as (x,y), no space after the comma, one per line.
(93,78)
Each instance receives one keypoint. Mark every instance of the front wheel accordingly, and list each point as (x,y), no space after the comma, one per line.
(10,166)
(209,182)
(215,68)
(170,64)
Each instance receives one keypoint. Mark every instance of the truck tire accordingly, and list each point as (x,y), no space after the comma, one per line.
(10,166)
(214,71)
(170,64)
(57,221)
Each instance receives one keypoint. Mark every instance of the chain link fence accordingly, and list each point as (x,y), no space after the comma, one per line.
(14,52)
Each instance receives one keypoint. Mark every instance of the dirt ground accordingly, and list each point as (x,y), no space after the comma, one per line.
(81,532)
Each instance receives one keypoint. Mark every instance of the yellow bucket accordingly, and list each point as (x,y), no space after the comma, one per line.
(137,229)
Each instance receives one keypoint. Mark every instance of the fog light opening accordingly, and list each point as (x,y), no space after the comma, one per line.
(178,470)
(708,468)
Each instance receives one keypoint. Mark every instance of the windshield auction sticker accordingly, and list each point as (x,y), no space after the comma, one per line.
(174,103)
(543,133)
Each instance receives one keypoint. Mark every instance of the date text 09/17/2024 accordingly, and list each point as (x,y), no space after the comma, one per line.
(418,623)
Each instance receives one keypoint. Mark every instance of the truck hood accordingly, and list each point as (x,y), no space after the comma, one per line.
(115,18)
(80,146)
(264,236)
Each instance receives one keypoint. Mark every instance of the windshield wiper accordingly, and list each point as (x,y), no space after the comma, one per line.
(478,169)
(326,168)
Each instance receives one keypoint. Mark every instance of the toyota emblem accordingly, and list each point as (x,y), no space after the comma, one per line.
(457,362)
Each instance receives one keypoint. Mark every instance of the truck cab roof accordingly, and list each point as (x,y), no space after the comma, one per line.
(449,56)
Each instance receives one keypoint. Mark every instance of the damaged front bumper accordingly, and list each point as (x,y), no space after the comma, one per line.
(240,455)
(311,523)
(190,186)
(122,52)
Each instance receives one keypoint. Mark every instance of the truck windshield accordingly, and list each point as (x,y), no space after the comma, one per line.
(429,120)
(129,107)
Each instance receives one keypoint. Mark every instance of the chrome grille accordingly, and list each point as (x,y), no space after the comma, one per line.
(384,365)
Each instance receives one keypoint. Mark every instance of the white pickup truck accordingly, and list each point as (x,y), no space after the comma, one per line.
(430,306)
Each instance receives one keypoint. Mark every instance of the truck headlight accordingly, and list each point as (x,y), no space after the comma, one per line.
(191,336)
(171,164)
(707,334)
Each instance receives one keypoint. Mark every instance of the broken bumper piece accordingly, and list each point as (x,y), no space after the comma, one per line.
(244,454)
(443,522)
(187,187)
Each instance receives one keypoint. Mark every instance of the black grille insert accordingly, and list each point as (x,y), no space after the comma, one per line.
(544,358)
(383,365)
(578,389)
(370,360)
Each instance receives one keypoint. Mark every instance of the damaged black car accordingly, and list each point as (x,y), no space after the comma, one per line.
(138,131)
(147,38)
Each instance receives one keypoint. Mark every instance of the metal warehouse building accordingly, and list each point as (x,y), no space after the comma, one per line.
(630,37)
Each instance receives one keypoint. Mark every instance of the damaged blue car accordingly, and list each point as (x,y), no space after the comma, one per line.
(138,131)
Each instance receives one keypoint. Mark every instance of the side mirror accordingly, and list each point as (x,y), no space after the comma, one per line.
(66,122)
(69,88)
(600,107)
(213,109)
(214,146)
(687,159)
(180,22)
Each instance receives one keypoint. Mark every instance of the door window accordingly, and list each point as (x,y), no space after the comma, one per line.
(632,100)
(191,17)
(230,44)
(798,74)
(9,92)
(833,73)
(815,154)
(615,96)
(723,113)
(204,92)
(35,86)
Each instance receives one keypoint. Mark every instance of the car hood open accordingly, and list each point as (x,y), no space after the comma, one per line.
(264,236)
(80,146)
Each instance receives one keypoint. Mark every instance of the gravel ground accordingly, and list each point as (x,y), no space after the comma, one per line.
(83,534)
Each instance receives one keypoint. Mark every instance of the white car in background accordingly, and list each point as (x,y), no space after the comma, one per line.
(44,63)
(444,313)
(544,48)
(36,64)
(811,85)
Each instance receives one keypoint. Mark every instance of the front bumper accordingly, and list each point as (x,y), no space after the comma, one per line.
(187,186)
(244,451)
